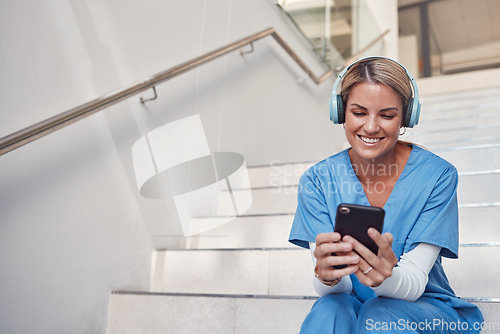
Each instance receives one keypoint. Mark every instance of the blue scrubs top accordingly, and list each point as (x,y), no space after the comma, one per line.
(421,208)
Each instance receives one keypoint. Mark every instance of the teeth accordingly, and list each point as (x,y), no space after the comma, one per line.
(370,140)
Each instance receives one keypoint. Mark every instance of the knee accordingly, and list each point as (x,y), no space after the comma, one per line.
(379,313)
(332,313)
(338,303)
(336,306)
(379,308)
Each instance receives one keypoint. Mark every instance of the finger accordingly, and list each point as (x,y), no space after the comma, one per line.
(367,258)
(383,244)
(339,260)
(351,252)
(385,252)
(326,249)
(362,250)
(327,266)
(367,271)
(347,270)
(372,273)
(331,273)
(372,279)
(389,238)
(327,238)
(380,270)
(369,275)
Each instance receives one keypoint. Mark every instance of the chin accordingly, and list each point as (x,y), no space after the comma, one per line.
(371,153)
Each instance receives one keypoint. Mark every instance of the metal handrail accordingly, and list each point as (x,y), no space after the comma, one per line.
(43,128)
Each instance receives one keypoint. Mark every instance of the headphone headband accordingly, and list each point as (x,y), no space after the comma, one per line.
(410,116)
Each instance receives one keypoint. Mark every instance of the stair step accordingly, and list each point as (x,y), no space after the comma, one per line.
(456,100)
(288,272)
(446,122)
(283,200)
(472,158)
(269,201)
(471,276)
(277,175)
(465,141)
(477,189)
(267,231)
(477,225)
(470,161)
(153,313)
(254,272)
(456,136)
(139,313)
(491,310)
(474,114)
(457,119)
(471,114)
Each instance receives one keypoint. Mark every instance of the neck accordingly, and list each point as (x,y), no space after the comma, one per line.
(374,170)
(385,168)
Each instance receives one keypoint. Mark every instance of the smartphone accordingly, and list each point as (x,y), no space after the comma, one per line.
(355,220)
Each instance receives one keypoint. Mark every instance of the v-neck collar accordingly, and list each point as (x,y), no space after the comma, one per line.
(407,168)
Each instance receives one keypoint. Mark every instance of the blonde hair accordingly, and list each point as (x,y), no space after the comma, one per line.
(378,70)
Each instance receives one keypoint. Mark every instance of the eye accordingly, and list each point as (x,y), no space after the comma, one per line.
(358,113)
(388,116)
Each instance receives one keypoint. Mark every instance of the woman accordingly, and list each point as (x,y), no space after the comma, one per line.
(403,288)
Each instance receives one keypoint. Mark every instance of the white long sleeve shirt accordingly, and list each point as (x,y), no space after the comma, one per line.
(408,279)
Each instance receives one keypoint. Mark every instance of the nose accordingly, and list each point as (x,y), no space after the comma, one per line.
(371,125)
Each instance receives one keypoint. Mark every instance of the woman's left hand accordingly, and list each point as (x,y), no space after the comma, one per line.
(374,269)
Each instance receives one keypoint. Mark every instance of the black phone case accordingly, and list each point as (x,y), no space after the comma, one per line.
(354,220)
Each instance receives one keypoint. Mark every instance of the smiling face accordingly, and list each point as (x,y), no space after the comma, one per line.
(373,117)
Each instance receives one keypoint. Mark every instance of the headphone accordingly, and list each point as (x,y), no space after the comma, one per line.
(410,116)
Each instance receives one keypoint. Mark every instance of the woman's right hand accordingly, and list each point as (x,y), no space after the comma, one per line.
(326,245)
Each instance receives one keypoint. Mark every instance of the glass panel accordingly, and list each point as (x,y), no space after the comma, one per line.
(341,32)
(310,17)
(337,29)
(365,29)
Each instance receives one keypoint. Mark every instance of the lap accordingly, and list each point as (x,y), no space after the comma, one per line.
(342,313)
(334,313)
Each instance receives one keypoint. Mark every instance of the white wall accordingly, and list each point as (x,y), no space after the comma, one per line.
(70,228)
(467,81)
(374,18)
(73,226)
(408,53)
(386,15)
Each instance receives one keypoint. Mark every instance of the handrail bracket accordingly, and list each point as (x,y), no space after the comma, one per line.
(143,100)
(242,53)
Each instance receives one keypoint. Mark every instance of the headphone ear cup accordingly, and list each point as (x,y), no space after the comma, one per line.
(340,109)
(407,115)
(333,109)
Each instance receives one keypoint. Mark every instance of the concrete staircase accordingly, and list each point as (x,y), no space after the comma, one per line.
(244,277)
